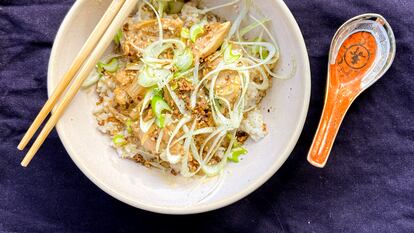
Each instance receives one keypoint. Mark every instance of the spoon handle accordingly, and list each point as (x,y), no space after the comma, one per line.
(336,105)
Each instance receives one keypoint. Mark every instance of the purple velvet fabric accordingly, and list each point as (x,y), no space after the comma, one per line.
(367,186)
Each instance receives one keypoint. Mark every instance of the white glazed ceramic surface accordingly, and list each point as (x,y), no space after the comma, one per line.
(151,190)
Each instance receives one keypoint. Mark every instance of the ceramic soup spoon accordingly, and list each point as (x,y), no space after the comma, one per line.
(361,51)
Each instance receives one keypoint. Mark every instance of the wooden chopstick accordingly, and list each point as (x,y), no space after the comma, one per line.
(90,63)
(87,48)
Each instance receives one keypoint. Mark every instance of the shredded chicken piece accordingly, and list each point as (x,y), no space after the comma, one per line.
(121,96)
(135,91)
(211,40)
(228,85)
(140,35)
(124,77)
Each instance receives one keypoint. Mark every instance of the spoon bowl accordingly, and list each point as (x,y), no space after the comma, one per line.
(362,50)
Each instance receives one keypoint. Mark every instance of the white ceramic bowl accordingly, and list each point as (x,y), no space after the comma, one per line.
(148,189)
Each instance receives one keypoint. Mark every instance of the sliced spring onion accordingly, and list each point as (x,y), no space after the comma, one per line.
(291,73)
(184,61)
(185,33)
(185,171)
(178,102)
(118,37)
(174,7)
(164,120)
(92,79)
(269,34)
(158,105)
(166,155)
(145,78)
(196,31)
(214,134)
(161,31)
(128,126)
(230,55)
(256,50)
(214,169)
(235,115)
(159,140)
(183,74)
(174,86)
(163,76)
(134,66)
(270,47)
(150,77)
(235,154)
(252,26)
(205,130)
(119,140)
(264,85)
(146,125)
(154,50)
(110,67)
(242,15)
(160,122)
(162,4)
(196,70)
(193,98)
(138,15)
(223,47)
(215,145)
(222,103)
(219,6)
(158,91)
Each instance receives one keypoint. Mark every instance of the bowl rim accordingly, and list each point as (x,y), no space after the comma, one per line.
(203,207)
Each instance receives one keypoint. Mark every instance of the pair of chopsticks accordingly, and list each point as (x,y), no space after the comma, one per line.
(95,46)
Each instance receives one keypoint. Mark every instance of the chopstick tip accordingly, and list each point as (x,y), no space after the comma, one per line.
(23,164)
(25,139)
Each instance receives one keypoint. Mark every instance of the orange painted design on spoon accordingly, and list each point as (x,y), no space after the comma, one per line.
(354,60)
